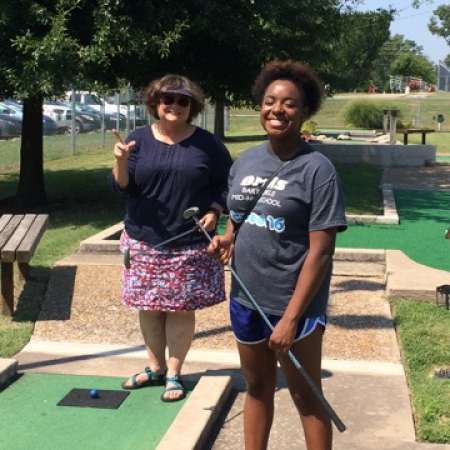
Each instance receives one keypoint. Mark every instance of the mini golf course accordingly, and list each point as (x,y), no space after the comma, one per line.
(424,217)
(32,419)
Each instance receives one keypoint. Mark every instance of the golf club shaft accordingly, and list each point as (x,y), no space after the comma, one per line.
(128,256)
(178,236)
(328,408)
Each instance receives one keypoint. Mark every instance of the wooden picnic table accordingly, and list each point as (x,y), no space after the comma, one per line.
(19,236)
(422,131)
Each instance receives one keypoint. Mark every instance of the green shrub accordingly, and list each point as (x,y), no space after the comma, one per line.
(367,114)
(364,114)
(309,127)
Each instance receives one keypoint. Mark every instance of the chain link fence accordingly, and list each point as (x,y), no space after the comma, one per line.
(79,122)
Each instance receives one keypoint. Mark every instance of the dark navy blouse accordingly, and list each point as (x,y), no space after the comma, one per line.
(167,179)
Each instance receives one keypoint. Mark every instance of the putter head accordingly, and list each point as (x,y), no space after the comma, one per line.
(191,212)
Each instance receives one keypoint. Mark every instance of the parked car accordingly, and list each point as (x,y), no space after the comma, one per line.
(49,125)
(110,118)
(10,126)
(93,100)
(88,120)
(61,112)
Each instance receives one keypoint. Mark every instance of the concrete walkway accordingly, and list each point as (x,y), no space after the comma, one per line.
(363,376)
(362,372)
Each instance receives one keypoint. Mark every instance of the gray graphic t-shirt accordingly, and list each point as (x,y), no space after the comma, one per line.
(273,242)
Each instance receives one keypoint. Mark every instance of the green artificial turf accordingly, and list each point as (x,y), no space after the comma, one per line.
(32,419)
(424,217)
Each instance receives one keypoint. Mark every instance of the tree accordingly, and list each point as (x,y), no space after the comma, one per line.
(440,25)
(447,60)
(50,46)
(54,45)
(362,36)
(393,48)
(410,65)
(227,41)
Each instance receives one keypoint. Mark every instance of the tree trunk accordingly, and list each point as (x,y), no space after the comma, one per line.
(219,129)
(31,190)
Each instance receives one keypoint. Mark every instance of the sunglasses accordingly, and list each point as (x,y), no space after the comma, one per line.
(180,100)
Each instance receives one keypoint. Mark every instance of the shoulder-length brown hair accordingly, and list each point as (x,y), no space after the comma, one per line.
(171,81)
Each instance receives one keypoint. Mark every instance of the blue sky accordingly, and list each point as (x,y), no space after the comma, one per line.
(413,24)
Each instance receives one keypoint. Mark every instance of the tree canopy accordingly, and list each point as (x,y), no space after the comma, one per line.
(52,45)
(440,22)
(362,35)
(410,65)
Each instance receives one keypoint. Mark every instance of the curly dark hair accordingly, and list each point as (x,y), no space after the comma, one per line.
(156,87)
(302,75)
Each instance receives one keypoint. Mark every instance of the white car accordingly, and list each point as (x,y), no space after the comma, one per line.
(137,112)
(62,115)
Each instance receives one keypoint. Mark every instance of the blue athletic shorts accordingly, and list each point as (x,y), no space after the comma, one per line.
(249,328)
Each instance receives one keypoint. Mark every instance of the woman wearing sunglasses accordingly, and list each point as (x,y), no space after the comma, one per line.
(163,169)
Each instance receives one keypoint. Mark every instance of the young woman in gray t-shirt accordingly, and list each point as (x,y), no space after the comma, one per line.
(283,252)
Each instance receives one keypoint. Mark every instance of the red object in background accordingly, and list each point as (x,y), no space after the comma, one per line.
(371,89)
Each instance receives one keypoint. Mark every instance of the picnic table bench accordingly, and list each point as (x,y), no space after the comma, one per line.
(19,236)
(422,131)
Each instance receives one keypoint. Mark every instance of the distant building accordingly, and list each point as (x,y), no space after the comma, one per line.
(399,83)
(443,77)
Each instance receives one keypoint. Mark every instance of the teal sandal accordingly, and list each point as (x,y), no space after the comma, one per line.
(154,379)
(173,384)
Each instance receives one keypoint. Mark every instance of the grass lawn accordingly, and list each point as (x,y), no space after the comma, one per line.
(331,115)
(424,333)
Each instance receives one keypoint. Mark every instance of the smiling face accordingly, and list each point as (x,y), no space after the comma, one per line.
(173,108)
(281,109)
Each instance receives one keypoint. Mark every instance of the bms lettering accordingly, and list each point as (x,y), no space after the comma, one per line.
(272,223)
(255,181)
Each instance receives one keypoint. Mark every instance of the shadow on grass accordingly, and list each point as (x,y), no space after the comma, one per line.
(75,197)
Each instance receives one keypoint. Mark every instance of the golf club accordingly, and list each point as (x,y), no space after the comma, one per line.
(191,213)
(127,253)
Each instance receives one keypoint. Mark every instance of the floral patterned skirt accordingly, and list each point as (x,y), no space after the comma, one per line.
(170,279)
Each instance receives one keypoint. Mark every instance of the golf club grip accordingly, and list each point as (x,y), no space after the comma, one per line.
(327,407)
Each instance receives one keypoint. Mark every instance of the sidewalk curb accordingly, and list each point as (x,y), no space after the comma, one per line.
(204,404)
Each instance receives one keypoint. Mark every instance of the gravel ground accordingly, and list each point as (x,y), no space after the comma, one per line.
(82,304)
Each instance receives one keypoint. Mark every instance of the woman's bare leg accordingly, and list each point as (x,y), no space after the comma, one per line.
(316,423)
(153,326)
(258,365)
(180,327)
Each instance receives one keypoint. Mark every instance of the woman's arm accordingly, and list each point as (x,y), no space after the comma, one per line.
(120,169)
(316,265)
